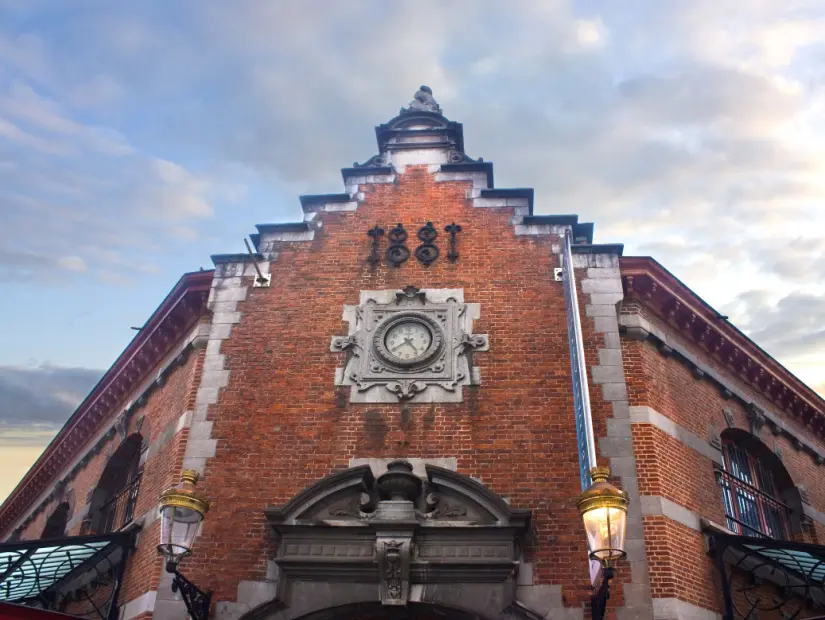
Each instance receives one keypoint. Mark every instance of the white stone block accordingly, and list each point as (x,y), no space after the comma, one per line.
(607,374)
(207,395)
(226,317)
(214,378)
(606,299)
(229,293)
(214,361)
(610,357)
(532,229)
(606,324)
(614,391)
(200,430)
(337,207)
(201,448)
(221,331)
(224,306)
(184,421)
(600,310)
(145,603)
(603,272)
(602,285)
(213,347)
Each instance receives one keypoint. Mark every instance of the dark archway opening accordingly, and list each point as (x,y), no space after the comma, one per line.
(377,611)
(56,523)
(113,501)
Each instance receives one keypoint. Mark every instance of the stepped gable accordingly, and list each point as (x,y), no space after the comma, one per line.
(420,135)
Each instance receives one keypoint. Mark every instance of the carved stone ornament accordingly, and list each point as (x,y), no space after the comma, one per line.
(756,418)
(423,101)
(352,538)
(410,345)
(122,425)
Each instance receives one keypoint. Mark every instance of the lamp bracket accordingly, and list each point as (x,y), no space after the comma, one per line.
(598,602)
(196,600)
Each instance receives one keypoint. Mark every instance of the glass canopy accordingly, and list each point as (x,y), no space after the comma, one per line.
(767,575)
(47,572)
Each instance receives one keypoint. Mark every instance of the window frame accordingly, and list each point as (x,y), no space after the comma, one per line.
(749,489)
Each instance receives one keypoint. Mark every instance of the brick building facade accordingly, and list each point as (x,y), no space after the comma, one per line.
(420,315)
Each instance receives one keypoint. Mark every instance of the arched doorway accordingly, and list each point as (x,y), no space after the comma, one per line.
(114,498)
(439,546)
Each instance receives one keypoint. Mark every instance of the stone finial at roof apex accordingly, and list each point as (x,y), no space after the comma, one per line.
(423,101)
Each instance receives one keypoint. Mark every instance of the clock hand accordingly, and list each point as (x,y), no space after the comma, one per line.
(408,342)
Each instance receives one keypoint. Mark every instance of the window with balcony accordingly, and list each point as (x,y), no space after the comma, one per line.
(758,496)
(113,501)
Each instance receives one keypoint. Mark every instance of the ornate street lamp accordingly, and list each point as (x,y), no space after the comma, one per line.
(604,511)
(182,510)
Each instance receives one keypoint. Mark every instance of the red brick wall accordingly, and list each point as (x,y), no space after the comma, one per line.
(281,424)
(674,568)
(668,468)
(679,566)
(163,408)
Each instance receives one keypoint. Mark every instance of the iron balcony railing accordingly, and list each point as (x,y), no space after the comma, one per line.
(120,510)
(751,512)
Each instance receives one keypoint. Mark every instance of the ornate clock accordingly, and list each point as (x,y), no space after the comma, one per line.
(408,339)
(409,345)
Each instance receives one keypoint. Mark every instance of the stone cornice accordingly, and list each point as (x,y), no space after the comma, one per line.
(646,281)
(173,318)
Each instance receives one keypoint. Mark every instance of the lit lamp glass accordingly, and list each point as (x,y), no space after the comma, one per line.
(604,511)
(182,510)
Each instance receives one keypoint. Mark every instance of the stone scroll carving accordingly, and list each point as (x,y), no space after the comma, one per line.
(429,362)
(395,532)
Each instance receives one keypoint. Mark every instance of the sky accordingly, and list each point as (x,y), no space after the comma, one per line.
(138,138)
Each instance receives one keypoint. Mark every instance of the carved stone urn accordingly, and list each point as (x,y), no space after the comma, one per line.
(398,483)
(398,489)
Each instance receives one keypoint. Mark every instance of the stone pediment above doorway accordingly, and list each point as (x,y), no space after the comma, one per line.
(397,539)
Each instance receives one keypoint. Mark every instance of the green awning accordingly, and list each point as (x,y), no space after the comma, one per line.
(39,570)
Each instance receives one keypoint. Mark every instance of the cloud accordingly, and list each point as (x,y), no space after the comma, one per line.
(81,187)
(690,130)
(23,103)
(29,266)
(40,399)
(789,327)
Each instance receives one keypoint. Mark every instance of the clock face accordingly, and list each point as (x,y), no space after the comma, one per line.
(408,340)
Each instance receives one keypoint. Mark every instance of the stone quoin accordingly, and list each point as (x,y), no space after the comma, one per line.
(393,407)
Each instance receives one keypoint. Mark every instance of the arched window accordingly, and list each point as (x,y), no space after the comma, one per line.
(113,500)
(759,497)
(56,523)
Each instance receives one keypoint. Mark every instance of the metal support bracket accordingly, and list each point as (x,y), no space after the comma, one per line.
(598,602)
(196,600)
(558,274)
(263,280)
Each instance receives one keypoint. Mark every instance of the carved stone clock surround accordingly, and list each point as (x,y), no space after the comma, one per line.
(438,375)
